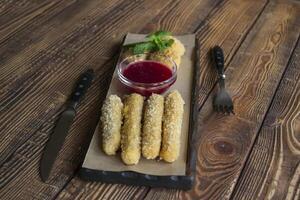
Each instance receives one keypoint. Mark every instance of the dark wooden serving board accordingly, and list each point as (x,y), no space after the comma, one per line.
(99,167)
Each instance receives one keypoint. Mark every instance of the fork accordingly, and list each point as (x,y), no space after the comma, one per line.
(222,101)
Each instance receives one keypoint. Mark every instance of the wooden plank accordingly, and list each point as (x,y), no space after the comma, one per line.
(27,29)
(252,77)
(59,59)
(12,11)
(33,100)
(28,70)
(20,172)
(48,132)
(79,189)
(181,17)
(272,170)
(83,22)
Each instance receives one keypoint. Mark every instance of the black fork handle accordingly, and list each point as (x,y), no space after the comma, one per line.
(218,59)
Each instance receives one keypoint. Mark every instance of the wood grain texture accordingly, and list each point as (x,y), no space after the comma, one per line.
(29,29)
(227,27)
(45,45)
(273,168)
(214,31)
(12,11)
(24,81)
(48,63)
(252,79)
(182,17)
(21,170)
(38,79)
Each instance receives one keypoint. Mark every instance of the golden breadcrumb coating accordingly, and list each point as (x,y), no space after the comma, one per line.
(172,122)
(152,125)
(111,121)
(174,52)
(131,129)
(177,47)
(160,57)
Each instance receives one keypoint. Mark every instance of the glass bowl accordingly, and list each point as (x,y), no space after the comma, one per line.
(147,88)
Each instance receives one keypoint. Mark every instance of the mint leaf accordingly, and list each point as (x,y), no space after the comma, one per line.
(144,48)
(155,42)
(166,44)
(158,34)
(159,43)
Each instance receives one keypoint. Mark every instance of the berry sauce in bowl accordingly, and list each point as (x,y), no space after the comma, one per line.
(145,76)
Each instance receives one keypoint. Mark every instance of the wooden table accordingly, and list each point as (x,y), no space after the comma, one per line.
(46,44)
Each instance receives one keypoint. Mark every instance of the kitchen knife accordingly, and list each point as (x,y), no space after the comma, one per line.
(61,129)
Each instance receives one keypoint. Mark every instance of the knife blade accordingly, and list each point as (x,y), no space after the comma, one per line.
(61,129)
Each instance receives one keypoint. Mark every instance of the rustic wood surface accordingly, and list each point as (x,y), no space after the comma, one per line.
(46,44)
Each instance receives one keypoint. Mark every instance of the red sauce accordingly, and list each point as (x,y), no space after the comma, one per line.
(147,72)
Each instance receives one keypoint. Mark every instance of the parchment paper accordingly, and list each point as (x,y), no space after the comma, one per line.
(97,160)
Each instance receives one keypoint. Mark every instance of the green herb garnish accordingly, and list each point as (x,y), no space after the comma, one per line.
(156,41)
(145,47)
(158,34)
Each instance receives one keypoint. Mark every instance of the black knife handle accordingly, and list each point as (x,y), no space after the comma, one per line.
(218,59)
(84,82)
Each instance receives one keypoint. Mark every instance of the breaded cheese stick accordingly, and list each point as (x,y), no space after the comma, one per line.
(172,122)
(131,129)
(152,125)
(111,121)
